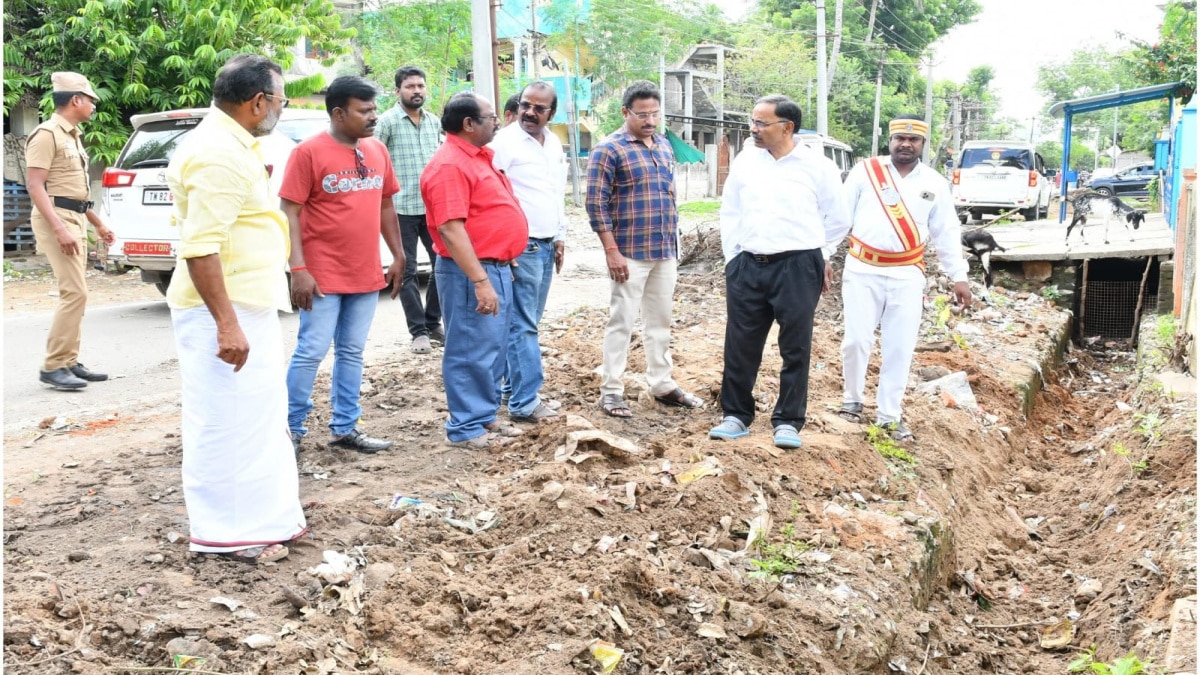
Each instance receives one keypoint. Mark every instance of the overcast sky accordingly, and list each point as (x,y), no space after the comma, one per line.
(1015,36)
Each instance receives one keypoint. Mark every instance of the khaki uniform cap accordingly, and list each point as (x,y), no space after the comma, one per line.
(68,81)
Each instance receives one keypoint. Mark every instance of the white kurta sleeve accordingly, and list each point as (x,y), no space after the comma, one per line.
(835,210)
(946,234)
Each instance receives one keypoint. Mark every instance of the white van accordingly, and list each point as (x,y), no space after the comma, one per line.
(992,177)
(137,202)
(839,152)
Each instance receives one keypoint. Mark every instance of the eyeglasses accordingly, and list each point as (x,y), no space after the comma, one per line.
(643,116)
(539,109)
(493,118)
(760,124)
(286,101)
(360,164)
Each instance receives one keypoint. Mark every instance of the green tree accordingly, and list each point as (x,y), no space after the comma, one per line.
(1082,156)
(1093,71)
(434,35)
(1173,57)
(147,55)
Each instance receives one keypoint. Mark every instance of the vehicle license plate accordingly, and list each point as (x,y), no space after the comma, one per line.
(157,196)
(147,248)
(994,176)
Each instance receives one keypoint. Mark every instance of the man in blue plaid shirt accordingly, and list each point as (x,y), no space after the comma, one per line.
(631,206)
(411,135)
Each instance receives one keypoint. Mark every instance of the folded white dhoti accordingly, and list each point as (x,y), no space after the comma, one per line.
(240,483)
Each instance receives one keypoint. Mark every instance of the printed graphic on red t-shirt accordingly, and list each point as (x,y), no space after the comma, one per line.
(340,221)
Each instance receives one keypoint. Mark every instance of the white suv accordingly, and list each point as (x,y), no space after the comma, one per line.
(998,176)
(137,202)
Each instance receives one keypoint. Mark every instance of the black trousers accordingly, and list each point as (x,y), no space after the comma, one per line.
(421,317)
(758,294)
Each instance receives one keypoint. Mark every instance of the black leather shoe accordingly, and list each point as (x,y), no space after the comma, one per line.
(62,378)
(81,371)
(357,440)
(437,335)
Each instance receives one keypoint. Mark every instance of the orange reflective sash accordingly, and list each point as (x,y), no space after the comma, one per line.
(901,220)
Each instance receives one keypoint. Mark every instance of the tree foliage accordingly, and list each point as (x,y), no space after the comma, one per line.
(1173,57)
(1093,71)
(148,55)
(436,36)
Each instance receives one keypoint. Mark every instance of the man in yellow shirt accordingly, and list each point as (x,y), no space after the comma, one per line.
(240,483)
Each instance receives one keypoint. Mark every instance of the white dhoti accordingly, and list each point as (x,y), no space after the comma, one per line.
(894,305)
(240,483)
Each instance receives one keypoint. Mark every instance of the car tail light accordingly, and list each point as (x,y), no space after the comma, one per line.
(117,178)
(1032,179)
(954,181)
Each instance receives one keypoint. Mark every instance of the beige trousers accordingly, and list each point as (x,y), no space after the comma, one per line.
(62,344)
(651,288)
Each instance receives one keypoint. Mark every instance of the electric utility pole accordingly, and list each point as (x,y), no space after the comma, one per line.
(822,85)
(482,56)
(929,159)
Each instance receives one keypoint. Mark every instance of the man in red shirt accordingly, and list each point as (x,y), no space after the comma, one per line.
(478,230)
(337,196)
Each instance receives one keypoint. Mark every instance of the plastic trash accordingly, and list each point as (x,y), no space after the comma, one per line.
(955,388)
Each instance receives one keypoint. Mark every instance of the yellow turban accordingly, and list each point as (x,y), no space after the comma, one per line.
(913,127)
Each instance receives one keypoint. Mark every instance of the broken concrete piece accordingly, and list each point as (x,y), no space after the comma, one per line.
(1088,591)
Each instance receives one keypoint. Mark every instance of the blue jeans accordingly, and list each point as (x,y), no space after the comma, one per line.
(343,320)
(476,347)
(531,284)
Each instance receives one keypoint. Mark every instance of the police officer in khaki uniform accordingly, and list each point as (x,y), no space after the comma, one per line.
(57,181)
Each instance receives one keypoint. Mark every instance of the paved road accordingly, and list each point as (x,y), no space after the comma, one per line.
(134,344)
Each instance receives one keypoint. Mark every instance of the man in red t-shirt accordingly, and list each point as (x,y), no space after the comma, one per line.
(478,229)
(337,196)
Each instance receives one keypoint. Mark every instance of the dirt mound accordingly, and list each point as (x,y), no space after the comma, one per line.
(945,555)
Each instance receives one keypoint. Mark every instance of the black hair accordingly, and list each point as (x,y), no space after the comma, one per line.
(346,87)
(544,86)
(512,104)
(62,98)
(243,77)
(639,90)
(785,108)
(461,106)
(405,72)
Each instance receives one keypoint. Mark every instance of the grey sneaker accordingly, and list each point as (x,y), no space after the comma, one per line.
(421,345)
(898,430)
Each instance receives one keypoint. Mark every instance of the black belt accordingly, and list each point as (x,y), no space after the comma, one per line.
(542,240)
(77,205)
(771,257)
(495,261)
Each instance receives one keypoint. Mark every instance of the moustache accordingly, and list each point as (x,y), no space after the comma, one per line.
(530,119)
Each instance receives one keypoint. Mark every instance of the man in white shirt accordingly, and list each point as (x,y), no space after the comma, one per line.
(782,215)
(899,206)
(532,158)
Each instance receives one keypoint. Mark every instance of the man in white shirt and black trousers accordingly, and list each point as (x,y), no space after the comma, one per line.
(782,215)
(899,206)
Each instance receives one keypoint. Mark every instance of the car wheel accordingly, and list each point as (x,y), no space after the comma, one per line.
(963,217)
(1106,191)
(1030,215)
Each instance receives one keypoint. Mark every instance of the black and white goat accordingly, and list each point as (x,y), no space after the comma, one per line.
(981,244)
(1108,207)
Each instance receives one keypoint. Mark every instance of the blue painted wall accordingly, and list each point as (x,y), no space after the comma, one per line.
(1184,157)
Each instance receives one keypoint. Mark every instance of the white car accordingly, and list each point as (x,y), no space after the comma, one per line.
(137,202)
(992,177)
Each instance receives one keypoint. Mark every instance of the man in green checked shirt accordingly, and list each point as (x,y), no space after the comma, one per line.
(411,135)
(631,206)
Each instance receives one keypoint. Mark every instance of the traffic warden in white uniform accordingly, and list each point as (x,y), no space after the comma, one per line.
(899,207)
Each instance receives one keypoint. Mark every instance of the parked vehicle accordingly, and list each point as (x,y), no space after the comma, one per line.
(1131,181)
(992,177)
(839,152)
(137,202)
